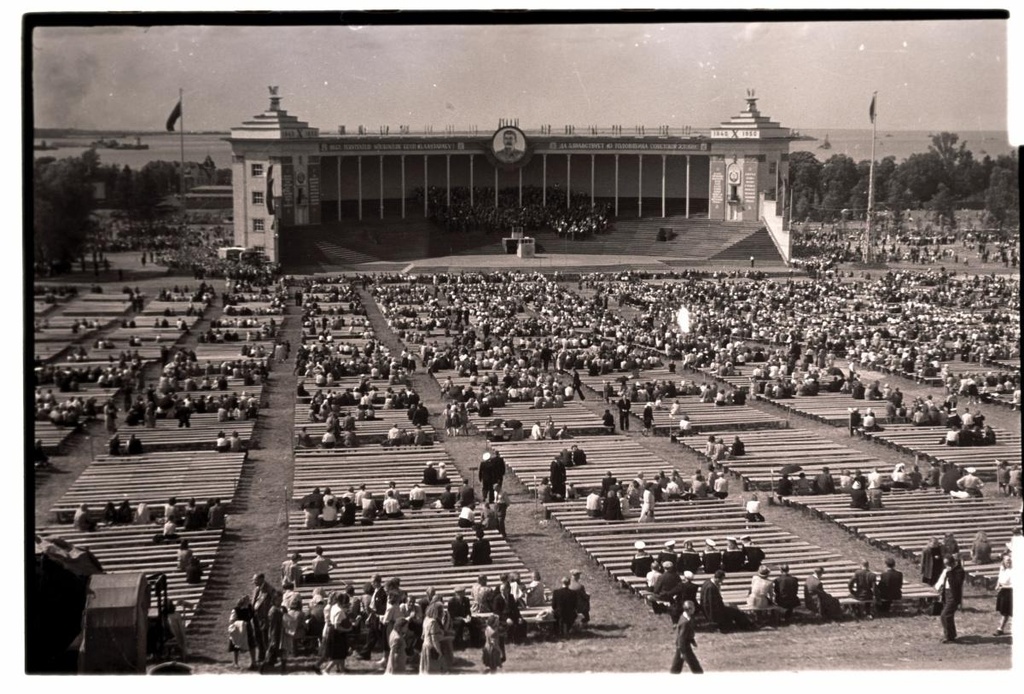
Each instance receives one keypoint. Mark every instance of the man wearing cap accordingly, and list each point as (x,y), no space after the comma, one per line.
(890,586)
(725,617)
(752,554)
(688,590)
(733,558)
(689,559)
(970,483)
(582,597)
(460,551)
(711,557)
(668,554)
(642,561)
(685,642)
(786,590)
(667,588)
(563,604)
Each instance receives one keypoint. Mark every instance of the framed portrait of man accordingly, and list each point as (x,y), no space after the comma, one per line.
(508,145)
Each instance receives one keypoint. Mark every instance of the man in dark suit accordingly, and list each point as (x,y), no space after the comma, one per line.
(685,642)
(787,591)
(668,554)
(862,584)
(481,549)
(725,617)
(563,604)
(641,563)
(577,456)
(557,478)
(824,482)
(951,593)
(711,557)
(460,551)
(890,586)
(460,611)
(753,555)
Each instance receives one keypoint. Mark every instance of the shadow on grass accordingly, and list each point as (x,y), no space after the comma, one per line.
(981,640)
(599,631)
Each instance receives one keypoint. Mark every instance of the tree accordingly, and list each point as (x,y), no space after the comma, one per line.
(838,177)
(1002,199)
(916,180)
(804,184)
(62,197)
(943,206)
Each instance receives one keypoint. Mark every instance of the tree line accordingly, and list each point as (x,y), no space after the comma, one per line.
(945,178)
(66,192)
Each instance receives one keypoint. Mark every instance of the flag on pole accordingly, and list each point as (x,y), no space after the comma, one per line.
(173,118)
(270,190)
(871,111)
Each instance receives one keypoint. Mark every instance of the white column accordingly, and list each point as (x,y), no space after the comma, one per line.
(687,186)
(471,180)
(359,176)
(339,187)
(403,186)
(568,179)
(663,186)
(616,185)
(426,188)
(640,189)
(381,180)
(448,180)
(544,179)
(591,181)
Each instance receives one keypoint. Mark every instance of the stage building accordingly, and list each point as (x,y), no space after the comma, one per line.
(286,174)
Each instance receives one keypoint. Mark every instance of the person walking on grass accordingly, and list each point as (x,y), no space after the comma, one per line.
(685,642)
(1004,593)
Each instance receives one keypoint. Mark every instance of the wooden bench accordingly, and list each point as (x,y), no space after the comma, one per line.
(152,478)
(130,549)
(908,519)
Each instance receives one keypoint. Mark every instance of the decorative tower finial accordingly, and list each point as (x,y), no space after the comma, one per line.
(275,100)
(751,101)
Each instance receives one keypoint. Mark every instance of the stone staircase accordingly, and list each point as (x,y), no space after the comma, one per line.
(692,238)
(759,245)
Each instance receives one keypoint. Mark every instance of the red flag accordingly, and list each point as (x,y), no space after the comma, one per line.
(173,118)
(871,111)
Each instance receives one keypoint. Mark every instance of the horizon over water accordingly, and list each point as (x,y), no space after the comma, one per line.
(853,142)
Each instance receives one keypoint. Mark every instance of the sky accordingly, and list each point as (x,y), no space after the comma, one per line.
(929,75)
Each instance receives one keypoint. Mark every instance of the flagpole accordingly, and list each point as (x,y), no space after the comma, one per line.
(181,134)
(869,248)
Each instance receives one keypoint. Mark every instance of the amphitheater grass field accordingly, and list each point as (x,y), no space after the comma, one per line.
(624,635)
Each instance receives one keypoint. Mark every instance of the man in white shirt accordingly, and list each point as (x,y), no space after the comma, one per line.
(594,504)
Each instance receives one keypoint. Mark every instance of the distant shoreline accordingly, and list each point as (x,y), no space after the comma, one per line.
(48,133)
